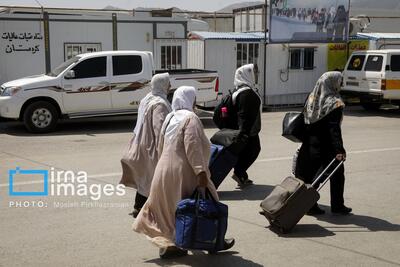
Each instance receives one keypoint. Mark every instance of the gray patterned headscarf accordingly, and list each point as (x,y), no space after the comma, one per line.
(325,97)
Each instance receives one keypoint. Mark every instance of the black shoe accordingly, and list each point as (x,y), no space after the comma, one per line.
(172,252)
(242,181)
(315,210)
(134,213)
(341,210)
(228,243)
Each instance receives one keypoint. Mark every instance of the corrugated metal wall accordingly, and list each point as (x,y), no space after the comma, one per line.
(195,54)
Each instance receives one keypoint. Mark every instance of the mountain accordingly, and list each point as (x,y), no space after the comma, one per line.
(112,8)
(230,8)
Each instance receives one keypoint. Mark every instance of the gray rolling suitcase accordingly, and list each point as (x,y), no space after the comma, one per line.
(292,199)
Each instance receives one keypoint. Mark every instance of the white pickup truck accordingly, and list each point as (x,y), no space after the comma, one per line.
(94,84)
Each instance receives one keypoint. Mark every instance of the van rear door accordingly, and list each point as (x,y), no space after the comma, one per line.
(354,74)
(374,72)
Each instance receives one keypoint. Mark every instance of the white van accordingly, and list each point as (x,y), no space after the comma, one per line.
(94,84)
(373,76)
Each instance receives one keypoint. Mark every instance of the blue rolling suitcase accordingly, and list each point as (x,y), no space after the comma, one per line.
(201,223)
(221,163)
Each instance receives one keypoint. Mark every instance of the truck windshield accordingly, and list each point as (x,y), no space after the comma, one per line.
(55,72)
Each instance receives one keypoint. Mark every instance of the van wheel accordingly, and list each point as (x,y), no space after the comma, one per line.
(40,117)
(371,106)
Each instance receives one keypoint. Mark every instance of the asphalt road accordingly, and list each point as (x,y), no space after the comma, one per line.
(78,231)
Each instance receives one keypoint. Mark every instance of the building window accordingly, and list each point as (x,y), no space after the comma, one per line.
(171,57)
(71,49)
(302,58)
(295,58)
(309,58)
(395,63)
(125,65)
(247,53)
(91,68)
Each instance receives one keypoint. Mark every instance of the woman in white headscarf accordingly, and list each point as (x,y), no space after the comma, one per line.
(140,160)
(247,103)
(323,114)
(182,167)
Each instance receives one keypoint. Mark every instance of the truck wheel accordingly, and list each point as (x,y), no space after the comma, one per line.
(40,117)
(371,106)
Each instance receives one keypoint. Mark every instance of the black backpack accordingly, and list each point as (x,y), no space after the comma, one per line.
(231,120)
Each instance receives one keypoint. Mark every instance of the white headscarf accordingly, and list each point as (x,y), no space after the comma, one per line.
(182,106)
(160,85)
(244,80)
(325,97)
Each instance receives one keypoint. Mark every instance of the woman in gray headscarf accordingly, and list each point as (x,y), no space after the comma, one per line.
(323,114)
(183,166)
(141,157)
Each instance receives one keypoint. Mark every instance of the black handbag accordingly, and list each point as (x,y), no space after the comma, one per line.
(230,139)
(294,127)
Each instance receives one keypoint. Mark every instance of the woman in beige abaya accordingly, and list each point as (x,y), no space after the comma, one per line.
(182,167)
(140,160)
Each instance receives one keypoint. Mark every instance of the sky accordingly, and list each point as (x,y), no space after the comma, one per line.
(203,5)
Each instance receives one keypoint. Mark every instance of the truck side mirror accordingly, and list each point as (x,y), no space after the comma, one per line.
(69,75)
(387,67)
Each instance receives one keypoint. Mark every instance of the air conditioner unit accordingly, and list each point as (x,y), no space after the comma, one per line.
(358,24)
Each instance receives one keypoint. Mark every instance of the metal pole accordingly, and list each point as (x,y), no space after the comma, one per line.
(265,50)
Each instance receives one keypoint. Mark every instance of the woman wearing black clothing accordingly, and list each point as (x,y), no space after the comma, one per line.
(248,105)
(323,117)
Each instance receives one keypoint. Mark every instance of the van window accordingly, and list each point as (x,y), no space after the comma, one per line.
(356,62)
(125,65)
(91,68)
(395,63)
(374,63)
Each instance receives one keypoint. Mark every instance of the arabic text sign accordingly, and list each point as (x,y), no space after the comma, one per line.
(22,42)
(309,21)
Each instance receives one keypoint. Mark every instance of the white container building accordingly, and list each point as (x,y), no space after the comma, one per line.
(33,41)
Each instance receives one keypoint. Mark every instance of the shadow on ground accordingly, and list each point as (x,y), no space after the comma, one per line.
(253,192)
(358,111)
(357,223)
(200,259)
(305,231)
(88,126)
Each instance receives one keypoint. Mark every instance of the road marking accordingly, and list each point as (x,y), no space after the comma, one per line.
(349,153)
(115,174)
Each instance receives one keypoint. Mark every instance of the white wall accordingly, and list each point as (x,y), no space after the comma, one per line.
(220,24)
(195,54)
(17,64)
(135,36)
(221,56)
(77,32)
(238,26)
(385,44)
(168,30)
(299,83)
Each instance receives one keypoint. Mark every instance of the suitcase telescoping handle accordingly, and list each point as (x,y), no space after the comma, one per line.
(325,171)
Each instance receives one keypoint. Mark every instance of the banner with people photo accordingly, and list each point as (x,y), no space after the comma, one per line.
(305,21)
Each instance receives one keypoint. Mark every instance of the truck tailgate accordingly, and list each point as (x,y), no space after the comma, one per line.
(206,83)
